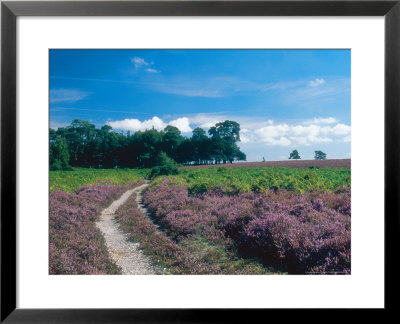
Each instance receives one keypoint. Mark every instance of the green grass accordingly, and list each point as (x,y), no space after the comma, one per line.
(69,181)
(242,179)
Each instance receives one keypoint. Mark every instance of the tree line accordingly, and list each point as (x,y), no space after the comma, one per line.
(81,144)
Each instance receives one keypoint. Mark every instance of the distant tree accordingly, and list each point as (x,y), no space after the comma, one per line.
(148,146)
(59,156)
(263,159)
(171,140)
(79,136)
(200,146)
(294,155)
(319,155)
(185,152)
(224,136)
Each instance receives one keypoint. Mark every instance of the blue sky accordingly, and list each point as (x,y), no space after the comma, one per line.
(283,99)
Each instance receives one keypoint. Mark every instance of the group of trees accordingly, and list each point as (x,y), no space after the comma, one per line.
(319,155)
(81,144)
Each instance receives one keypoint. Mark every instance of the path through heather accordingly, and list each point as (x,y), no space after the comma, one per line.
(125,253)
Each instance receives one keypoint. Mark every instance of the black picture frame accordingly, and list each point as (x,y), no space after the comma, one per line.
(9,13)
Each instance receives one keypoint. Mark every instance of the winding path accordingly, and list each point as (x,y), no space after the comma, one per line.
(125,253)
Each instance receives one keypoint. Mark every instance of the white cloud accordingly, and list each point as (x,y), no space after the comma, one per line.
(67,95)
(329,120)
(244,138)
(207,120)
(135,125)
(182,124)
(142,63)
(338,129)
(316,82)
(139,62)
(150,70)
(284,134)
(253,130)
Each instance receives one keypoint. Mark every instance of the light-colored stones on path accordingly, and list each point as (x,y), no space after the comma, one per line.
(126,254)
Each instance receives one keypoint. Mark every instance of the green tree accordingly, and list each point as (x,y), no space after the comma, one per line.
(59,156)
(201,152)
(148,145)
(223,142)
(165,166)
(79,136)
(171,140)
(319,155)
(294,155)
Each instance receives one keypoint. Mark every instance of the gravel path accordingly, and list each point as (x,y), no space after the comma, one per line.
(125,253)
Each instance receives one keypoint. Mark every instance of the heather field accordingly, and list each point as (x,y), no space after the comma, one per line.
(219,220)
(285,230)
(76,246)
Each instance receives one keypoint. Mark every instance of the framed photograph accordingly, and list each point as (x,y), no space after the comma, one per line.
(209,150)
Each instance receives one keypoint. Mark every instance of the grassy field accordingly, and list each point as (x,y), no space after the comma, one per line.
(241,180)
(69,181)
(330,163)
(215,220)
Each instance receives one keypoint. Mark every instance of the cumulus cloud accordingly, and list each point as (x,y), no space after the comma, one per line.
(316,82)
(182,124)
(253,131)
(135,125)
(285,135)
(67,95)
(338,129)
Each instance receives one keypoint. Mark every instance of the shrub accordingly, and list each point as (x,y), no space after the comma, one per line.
(165,166)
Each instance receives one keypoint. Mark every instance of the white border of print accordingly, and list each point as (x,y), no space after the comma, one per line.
(363,288)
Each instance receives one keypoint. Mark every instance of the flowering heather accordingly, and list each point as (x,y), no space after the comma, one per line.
(192,254)
(76,245)
(298,233)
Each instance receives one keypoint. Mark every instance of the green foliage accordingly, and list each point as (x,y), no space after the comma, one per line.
(240,180)
(89,146)
(59,156)
(223,146)
(294,155)
(319,155)
(165,166)
(70,181)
